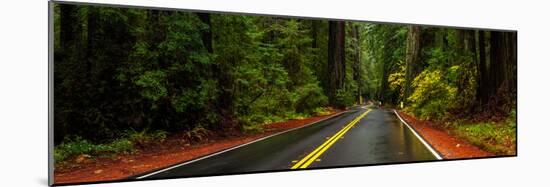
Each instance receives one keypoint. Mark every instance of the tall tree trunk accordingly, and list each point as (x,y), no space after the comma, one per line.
(336,59)
(412,58)
(503,67)
(469,43)
(496,67)
(482,82)
(356,60)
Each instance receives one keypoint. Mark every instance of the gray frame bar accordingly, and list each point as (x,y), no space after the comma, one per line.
(51,160)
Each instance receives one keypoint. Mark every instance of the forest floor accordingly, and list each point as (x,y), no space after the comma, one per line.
(442,140)
(172,151)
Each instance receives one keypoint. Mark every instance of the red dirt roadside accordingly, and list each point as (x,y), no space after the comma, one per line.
(149,159)
(448,146)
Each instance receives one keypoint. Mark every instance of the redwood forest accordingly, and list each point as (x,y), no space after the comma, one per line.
(131,79)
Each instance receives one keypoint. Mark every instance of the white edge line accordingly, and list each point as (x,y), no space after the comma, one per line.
(420,137)
(232,148)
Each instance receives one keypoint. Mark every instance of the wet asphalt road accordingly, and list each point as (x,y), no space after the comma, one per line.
(376,137)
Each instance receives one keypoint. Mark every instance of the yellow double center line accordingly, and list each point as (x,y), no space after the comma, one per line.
(306,161)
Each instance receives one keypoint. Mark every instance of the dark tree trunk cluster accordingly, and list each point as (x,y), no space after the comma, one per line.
(503,64)
(483,77)
(497,78)
(336,59)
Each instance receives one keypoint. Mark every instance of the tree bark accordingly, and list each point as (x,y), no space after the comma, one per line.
(482,81)
(356,59)
(469,43)
(503,65)
(412,58)
(336,60)
(496,67)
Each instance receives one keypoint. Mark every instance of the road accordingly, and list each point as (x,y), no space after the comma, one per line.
(362,136)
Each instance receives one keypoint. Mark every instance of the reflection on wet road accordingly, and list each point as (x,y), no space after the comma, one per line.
(379,138)
(359,137)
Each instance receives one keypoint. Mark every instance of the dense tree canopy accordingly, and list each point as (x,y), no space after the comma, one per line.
(118,69)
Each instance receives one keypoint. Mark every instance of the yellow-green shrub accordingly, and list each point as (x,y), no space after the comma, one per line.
(432,96)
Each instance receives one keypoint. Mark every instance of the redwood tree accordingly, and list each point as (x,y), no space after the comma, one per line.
(482,81)
(502,67)
(336,60)
(412,57)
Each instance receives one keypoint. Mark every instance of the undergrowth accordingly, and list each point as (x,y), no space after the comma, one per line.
(76,145)
(131,139)
(496,137)
(255,123)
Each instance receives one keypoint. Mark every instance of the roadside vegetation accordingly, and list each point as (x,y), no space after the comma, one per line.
(73,147)
(496,137)
(129,78)
(463,80)
(76,149)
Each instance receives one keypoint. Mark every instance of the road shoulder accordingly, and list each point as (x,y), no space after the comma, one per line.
(447,145)
(124,166)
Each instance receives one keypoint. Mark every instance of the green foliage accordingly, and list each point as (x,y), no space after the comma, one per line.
(446,85)
(396,81)
(344,98)
(254,123)
(272,75)
(321,111)
(309,97)
(130,70)
(153,86)
(385,49)
(197,98)
(432,96)
(498,138)
(125,71)
(73,147)
(144,137)
(119,146)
